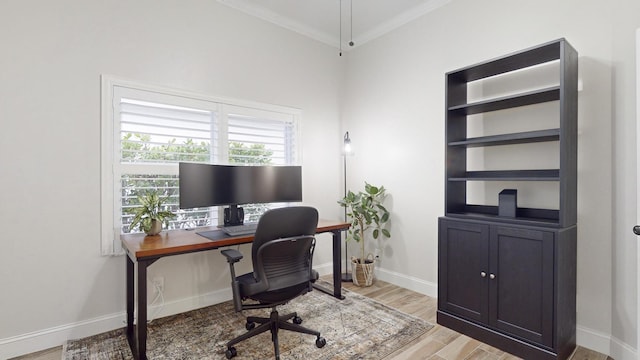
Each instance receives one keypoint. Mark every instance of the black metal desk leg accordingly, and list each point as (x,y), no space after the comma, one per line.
(130,291)
(141,329)
(337,264)
(337,269)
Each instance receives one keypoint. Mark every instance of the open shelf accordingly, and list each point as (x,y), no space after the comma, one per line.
(510,175)
(524,216)
(459,120)
(506,102)
(521,59)
(507,139)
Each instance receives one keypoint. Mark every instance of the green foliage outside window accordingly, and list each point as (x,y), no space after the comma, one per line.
(138,148)
(256,154)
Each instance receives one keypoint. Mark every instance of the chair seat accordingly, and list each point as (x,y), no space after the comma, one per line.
(275,296)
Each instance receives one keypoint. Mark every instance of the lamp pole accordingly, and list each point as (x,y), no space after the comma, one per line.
(347,150)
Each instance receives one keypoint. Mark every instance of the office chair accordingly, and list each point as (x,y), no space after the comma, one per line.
(282,254)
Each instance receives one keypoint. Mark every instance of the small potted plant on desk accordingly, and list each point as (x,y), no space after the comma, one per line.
(151,213)
(366,212)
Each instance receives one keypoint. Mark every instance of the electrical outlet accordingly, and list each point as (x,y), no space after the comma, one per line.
(158,284)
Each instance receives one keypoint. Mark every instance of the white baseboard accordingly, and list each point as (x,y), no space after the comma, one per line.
(408,282)
(324,269)
(605,344)
(188,304)
(593,339)
(56,336)
(622,351)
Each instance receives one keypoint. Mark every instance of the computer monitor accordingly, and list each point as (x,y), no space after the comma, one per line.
(203,185)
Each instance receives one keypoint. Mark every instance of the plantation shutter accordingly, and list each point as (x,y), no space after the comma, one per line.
(159,133)
(154,138)
(147,131)
(259,137)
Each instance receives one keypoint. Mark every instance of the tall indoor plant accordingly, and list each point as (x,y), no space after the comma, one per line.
(151,213)
(366,211)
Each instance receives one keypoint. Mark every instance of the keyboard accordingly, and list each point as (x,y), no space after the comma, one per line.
(244,229)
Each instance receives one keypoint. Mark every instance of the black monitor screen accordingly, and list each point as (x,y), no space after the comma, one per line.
(203,185)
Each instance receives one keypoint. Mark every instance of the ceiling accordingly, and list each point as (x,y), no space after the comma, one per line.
(319,19)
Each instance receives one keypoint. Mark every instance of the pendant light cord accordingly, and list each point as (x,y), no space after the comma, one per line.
(340,20)
(351,20)
(351,43)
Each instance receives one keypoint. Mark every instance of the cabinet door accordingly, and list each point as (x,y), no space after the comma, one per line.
(463,268)
(521,283)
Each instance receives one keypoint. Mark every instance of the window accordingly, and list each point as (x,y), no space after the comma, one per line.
(147,131)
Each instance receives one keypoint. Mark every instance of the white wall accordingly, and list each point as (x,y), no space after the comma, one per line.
(394,111)
(53,282)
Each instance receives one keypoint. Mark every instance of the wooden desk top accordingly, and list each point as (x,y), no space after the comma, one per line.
(174,242)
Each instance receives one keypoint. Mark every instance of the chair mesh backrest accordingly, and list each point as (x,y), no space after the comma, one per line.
(287,236)
(286,262)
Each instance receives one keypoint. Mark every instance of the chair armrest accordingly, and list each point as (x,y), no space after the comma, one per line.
(232,255)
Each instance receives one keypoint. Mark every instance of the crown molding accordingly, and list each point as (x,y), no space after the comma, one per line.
(277,19)
(400,20)
(250,8)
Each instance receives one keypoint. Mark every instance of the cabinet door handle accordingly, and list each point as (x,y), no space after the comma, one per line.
(483,274)
(492,276)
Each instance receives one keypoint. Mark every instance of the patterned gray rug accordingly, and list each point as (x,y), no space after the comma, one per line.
(355,328)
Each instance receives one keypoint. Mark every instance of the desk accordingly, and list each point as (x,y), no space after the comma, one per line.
(145,250)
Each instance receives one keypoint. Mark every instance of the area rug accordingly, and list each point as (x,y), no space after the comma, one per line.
(355,328)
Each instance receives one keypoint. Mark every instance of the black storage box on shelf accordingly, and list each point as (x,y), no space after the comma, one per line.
(507,203)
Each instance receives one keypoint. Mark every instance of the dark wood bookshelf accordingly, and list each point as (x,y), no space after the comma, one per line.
(491,259)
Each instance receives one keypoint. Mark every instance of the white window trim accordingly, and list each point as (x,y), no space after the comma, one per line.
(110,231)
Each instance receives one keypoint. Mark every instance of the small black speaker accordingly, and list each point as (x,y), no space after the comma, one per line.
(507,203)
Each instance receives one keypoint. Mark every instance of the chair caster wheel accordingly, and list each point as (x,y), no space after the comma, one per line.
(297,320)
(231,352)
(250,325)
(321,342)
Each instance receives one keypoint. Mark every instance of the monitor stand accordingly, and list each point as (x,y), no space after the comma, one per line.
(233,215)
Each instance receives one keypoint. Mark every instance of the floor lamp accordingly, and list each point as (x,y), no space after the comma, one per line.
(346,151)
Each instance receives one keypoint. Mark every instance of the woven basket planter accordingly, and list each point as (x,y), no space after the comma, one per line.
(362,273)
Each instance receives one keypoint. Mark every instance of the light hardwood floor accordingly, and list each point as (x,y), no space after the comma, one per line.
(439,343)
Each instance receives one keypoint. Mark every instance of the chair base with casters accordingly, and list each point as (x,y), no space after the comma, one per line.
(273,324)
